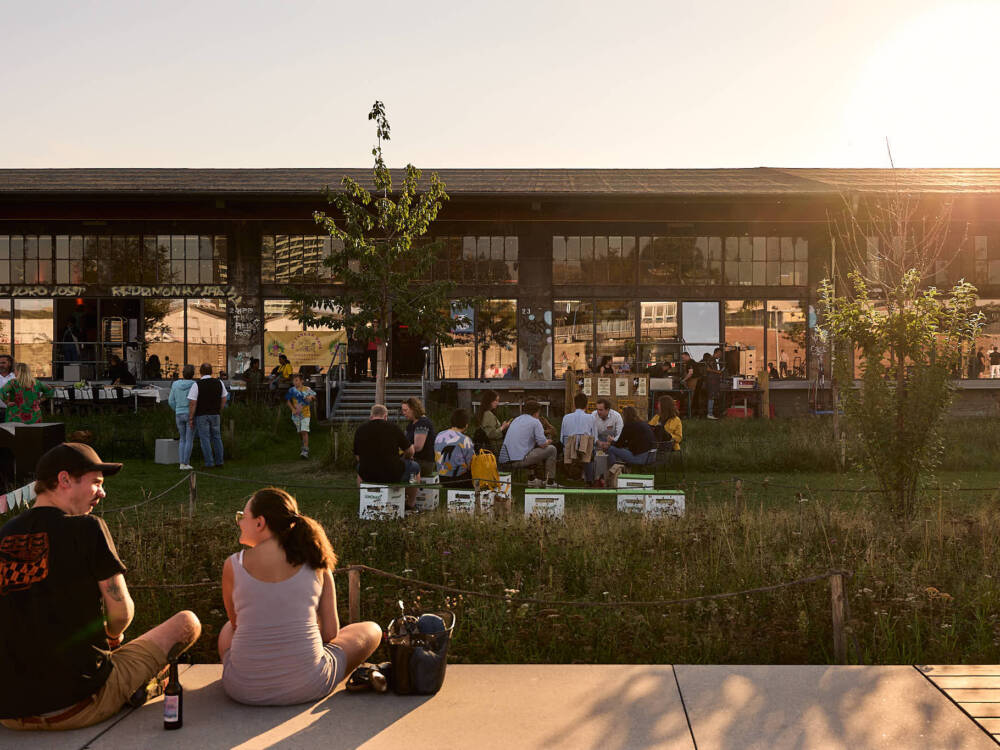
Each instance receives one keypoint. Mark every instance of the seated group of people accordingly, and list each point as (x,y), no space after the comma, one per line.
(65,607)
(625,437)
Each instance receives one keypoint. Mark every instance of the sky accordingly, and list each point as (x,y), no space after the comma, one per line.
(714,83)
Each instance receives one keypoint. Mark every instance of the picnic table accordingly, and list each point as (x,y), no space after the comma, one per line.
(103,395)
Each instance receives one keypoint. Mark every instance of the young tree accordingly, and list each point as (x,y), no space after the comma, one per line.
(908,335)
(383,270)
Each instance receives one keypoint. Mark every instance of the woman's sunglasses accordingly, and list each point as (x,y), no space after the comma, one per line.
(239,516)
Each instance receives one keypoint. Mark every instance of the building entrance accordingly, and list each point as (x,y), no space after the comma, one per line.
(88,332)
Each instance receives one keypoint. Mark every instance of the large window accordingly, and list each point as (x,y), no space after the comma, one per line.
(288,258)
(164,334)
(593,260)
(283,334)
(5,340)
(745,336)
(206,333)
(459,359)
(573,335)
(616,333)
(680,260)
(33,322)
(112,259)
(477,259)
(658,342)
(767,261)
(786,331)
(987,259)
(496,338)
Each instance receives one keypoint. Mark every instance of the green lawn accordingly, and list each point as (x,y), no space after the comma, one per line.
(922,591)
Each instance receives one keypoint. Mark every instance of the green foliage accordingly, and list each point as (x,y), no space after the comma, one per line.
(382,257)
(910,341)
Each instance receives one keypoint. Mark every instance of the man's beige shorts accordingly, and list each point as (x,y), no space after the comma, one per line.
(133,665)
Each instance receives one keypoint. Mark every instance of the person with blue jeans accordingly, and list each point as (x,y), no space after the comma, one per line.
(178,399)
(209,396)
(635,441)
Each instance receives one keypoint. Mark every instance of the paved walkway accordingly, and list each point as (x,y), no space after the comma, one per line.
(607,707)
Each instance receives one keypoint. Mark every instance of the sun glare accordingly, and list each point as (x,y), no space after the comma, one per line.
(930,87)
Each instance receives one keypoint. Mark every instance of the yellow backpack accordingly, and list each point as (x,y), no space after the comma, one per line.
(484,468)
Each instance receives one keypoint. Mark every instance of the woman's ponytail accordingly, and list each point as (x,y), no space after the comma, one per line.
(302,538)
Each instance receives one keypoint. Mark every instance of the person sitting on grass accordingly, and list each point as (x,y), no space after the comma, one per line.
(377,447)
(283,643)
(453,452)
(666,423)
(634,443)
(64,606)
(525,445)
(299,398)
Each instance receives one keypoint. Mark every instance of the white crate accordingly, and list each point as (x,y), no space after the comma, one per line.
(380,502)
(429,495)
(543,503)
(489,498)
(167,451)
(635,480)
(505,483)
(461,501)
(665,503)
(631,503)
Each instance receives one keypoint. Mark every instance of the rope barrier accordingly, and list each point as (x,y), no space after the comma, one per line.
(148,500)
(414,583)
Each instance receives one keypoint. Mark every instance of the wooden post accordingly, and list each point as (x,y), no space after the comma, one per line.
(738,494)
(192,493)
(354,594)
(765,393)
(837,603)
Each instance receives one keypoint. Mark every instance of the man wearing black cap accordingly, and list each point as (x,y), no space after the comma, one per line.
(64,605)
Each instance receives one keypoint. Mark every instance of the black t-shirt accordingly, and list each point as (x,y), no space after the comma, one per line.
(995,358)
(377,444)
(636,437)
(427,452)
(52,649)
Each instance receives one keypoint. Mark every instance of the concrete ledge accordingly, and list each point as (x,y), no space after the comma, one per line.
(584,707)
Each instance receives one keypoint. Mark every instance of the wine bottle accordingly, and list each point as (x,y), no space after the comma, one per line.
(173,700)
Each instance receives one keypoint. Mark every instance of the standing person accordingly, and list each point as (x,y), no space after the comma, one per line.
(607,427)
(64,605)
(635,441)
(23,395)
(490,432)
(453,452)
(6,375)
(525,445)
(178,399)
(994,362)
(666,423)
(371,349)
(420,433)
(577,436)
(980,363)
(377,448)
(300,398)
(209,396)
(713,382)
(283,643)
(605,368)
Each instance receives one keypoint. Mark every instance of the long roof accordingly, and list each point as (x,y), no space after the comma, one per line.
(506,182)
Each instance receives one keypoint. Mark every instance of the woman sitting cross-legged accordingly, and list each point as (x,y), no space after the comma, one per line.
(283,643)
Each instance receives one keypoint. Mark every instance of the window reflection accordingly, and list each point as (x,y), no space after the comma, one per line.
(658,343)
(33,322)
(284,334)
(206,333)
(786,349)
(496,338)
(573,335)
(615,331)
(164,334)
(459,359)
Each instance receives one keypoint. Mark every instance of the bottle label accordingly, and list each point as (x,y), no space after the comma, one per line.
(171,707)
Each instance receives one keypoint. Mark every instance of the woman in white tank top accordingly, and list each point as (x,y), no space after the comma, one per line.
(283,643)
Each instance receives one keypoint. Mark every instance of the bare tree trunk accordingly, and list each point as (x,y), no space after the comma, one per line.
(386,324)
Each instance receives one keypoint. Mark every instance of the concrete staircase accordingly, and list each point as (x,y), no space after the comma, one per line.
(356,399)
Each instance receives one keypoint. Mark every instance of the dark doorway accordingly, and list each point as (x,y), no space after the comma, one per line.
(407,353)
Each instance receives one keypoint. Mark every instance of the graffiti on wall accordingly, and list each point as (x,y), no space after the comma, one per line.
(42,291)
(245,323)
(217,291)
(534,338)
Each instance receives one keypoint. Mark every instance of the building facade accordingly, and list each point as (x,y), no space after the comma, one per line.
(165,267)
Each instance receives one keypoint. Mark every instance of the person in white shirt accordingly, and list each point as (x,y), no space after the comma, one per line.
(6,375)
(607,428)
(525,444)
(578,422)
(576,437)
